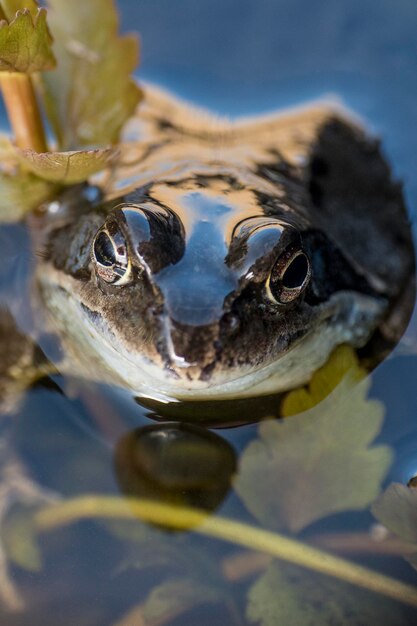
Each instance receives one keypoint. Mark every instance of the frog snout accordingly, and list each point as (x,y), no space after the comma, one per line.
(191,347)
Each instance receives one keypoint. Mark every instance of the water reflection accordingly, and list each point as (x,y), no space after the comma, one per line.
(214,414)
(175,463)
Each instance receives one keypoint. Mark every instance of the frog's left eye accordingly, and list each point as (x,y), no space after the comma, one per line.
(289,277)
(110,256)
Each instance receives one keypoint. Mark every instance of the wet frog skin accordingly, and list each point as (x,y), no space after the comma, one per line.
(227,259)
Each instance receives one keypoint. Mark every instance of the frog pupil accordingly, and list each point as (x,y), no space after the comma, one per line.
(104,250)
(296,272)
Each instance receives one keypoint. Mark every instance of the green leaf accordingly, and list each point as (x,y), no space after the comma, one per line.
(290,596)
(20,194)
(25,43)
(317,463)
(20,191)
(11,7)
(67,168)
(91,94)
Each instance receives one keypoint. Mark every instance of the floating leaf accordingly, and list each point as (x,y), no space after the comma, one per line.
(317,463)
(288,595)
(396,509)
(342,361)
(25,43)
(67,167)
(91,94)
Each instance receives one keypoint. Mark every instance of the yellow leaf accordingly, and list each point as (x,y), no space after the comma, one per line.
(342,361)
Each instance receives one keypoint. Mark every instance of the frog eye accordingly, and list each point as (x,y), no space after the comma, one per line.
(110,256)
(289,277)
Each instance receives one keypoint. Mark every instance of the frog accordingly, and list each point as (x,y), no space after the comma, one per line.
(228,259)
(215,259)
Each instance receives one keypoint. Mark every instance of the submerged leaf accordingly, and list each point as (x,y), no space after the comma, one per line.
(25,43)
(67,167)
(341,362)
(144,546)
(194,576)
(317,463)
(91,94)
(175,596)
(20,541)
(396,509)
(290,596)
(149,547)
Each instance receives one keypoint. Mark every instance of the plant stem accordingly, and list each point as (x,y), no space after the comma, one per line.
(23,111)
(279,546)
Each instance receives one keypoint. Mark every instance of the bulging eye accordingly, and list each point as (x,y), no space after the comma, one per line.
(289,277)
(110,256)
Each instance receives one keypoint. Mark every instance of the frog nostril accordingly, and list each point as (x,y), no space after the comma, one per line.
(230,323)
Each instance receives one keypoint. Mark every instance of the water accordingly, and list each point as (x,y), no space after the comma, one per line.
(235,57)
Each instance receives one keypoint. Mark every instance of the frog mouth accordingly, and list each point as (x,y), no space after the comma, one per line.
(96,352)
(347,317)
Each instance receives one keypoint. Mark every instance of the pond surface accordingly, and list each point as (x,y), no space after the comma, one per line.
(239,57)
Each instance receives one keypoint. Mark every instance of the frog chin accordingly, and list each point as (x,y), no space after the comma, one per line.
(95,352)
(346,318)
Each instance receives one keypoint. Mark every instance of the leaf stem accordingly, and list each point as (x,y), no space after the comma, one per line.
(23,111)
(181,518)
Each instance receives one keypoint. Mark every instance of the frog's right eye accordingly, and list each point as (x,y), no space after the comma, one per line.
(110,256)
